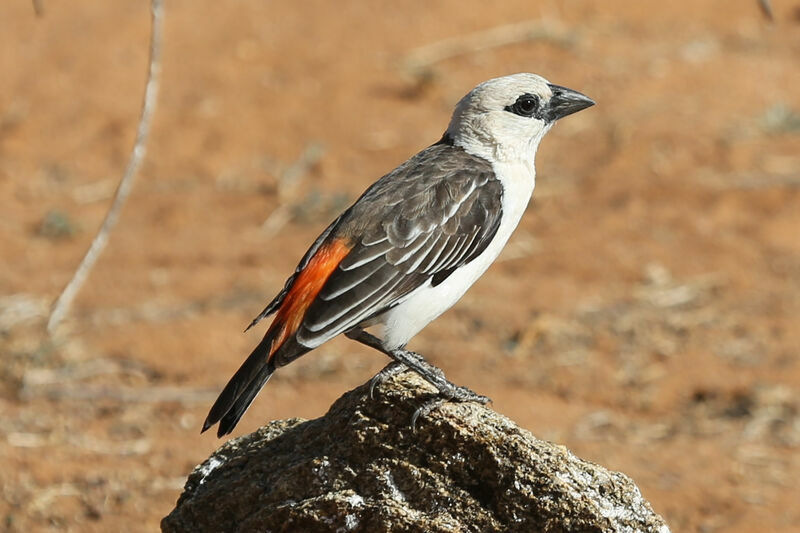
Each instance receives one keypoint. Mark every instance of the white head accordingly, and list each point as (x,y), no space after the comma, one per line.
(504,119)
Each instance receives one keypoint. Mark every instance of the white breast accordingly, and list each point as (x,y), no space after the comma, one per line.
(404,321)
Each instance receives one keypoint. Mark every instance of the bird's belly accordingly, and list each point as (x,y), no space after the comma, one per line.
(426,303)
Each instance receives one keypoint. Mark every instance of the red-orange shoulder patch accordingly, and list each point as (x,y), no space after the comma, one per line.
(305,288)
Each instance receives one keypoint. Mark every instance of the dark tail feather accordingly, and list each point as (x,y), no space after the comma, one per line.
(240,391)
(241,404)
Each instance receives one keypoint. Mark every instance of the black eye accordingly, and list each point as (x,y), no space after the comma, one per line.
(526,105)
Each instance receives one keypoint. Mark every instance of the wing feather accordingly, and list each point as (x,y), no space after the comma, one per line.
(434,254)
(413,263)
(348,279)
(366,255)
(452,252)
(398,256)
(415,226)
(320,316)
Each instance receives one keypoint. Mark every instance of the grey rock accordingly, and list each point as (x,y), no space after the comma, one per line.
(361,468)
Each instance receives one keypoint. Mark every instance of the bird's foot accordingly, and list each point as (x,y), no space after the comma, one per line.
(430,373)
(448,391)
(454,394)
(390,370)
(408,360)
(463,394)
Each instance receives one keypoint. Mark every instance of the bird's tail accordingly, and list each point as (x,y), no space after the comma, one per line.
(279,346)
(274,351)
(242,388)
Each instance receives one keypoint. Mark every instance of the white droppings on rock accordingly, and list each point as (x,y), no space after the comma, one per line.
(355,500)
(208,467)
(350,522)
(394,491)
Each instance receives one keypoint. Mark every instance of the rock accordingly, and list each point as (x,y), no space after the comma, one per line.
(362,468)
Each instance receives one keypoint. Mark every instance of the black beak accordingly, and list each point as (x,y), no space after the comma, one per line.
(565,102)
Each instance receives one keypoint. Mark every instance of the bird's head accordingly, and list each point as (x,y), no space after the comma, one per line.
(504,119)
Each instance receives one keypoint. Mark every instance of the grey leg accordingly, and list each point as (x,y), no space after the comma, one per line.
(448,390)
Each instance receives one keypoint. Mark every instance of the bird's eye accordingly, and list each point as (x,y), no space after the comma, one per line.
(526,105)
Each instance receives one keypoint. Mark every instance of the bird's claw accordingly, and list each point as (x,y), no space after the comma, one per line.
(425,409)
(392,369)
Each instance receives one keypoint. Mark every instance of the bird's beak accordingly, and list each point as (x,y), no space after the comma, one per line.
(565,102)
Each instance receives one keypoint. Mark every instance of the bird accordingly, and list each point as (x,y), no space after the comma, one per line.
(412,244)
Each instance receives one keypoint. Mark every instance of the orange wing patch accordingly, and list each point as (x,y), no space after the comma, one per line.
(305,288)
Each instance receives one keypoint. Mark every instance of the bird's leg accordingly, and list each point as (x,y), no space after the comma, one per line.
(405,358)
(412,360)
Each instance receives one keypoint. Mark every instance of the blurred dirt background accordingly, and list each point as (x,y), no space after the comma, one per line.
(645,314)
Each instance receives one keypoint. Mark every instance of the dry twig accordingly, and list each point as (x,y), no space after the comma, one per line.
(766,8)
(64,300)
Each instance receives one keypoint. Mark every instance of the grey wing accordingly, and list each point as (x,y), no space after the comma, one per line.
(424,228)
